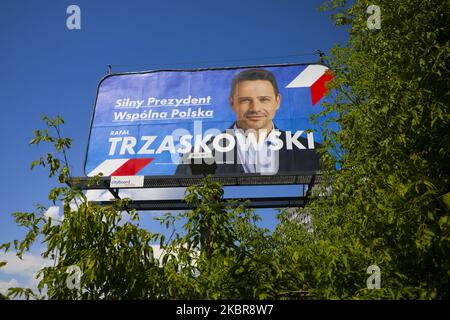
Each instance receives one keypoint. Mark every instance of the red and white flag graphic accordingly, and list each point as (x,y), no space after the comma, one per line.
(120,167)
(314,77)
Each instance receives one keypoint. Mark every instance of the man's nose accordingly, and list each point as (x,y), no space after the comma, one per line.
(255,105)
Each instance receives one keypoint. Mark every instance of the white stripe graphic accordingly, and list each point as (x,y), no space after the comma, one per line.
(107,167)
(307,77)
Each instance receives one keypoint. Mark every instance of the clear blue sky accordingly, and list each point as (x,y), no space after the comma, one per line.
(47,69)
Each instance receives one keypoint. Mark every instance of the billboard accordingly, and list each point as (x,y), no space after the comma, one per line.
(224,121)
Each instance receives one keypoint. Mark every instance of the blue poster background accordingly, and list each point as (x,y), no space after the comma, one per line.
(293,114)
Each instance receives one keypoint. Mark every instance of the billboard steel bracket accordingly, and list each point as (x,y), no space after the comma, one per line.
(305,179)
(180,204)
(310,186)
(115,193)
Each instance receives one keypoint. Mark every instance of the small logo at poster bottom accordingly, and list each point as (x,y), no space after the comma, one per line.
(126,182)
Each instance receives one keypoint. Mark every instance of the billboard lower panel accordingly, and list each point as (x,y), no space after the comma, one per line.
(235,122)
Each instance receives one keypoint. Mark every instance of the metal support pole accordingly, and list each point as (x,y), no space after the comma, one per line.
(310,186)
(321,55)
(115,193)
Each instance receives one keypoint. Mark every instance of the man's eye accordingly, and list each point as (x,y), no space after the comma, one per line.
(265,99)
(244,100)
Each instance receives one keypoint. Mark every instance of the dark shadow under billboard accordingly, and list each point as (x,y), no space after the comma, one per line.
(226,122)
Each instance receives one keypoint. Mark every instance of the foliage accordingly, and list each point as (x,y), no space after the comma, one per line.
(384,199)
(219,253)
(381,203)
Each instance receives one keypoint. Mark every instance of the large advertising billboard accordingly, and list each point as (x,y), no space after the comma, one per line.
(227,122)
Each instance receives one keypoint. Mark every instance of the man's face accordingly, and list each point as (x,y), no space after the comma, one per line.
(255,104)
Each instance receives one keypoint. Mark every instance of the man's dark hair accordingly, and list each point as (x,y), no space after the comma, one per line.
(254,74)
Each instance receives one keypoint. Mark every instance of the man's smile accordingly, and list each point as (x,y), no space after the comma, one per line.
(255,116)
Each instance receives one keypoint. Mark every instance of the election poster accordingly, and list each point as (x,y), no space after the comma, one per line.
(224,121)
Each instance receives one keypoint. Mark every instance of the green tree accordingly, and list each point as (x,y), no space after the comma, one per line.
(383,201)
(386,167)
(219,252)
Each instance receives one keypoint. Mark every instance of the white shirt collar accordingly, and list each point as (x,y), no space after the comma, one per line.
(251,159)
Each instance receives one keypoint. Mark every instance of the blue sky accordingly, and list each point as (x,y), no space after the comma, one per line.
(47,69)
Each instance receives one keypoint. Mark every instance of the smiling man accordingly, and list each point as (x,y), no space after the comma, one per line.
(255,99)
(259,146)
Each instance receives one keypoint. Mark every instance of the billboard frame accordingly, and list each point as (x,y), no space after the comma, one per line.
(308,181)
(182,177)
